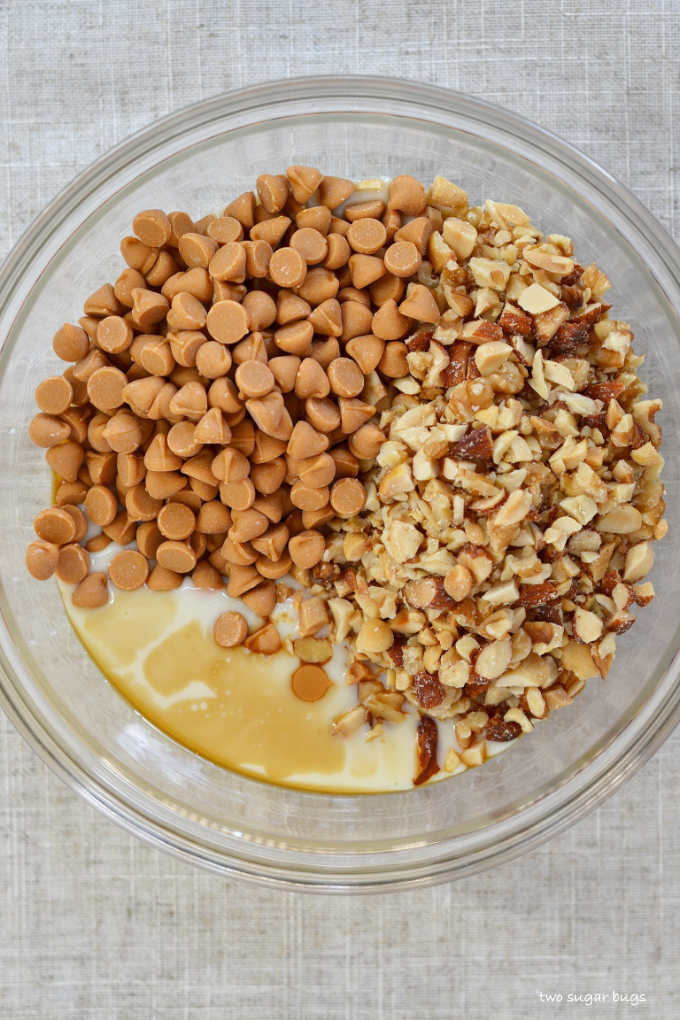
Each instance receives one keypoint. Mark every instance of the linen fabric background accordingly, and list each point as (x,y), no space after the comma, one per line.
(95,925)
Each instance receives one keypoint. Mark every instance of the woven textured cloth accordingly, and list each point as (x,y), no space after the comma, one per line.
(94,925)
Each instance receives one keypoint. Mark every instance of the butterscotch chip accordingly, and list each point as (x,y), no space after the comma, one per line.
(305,441)
(162,579)
(212,428)
(273,569)
(114,334)
(284,369)
(130,469)
(354,413)
(334,190)
(261,599)
(346,464)
(357,319)
(240,554)
(320,285)
(311,245)
(138,255)
(156,356)
(418,231)
(310,682)
(230,630)
(227,322)
(247,524)
(366,442)
(420,304)
(303,180)
(213,359)
(407,195)
(148,538)
(186,312)
(347,497)
(97,543)
(393,362)
(268,478)
(105,388)
(180,223)
(273,543)
(152,227)
(213,518)
(140,505)
(366,236)
(102,302)
(325,351)
(45,430)
(230,465)
(387,288)
(311,380)
(388,322)
(243,437)
(128,570)
(323,415)
(402,258)
(54,395)
(176,521)
(79,519)
(366,350)
(238,495)
(181,440)
(190,401)
(225,229)
(92,592)
(317,471)
(365,270)
(70,492)
(71,343)
(265,641)
(229,262)
(273,191)
(254,379)
(372,208)
(197,249)
(65,460)
(41,559)
(295,338)
(176,556)
(148,307)
(162,485)
(306,549)
(260,308)
(290,308)
(207,577)
(346,378)
(223,394)
(287,267)
(121,529)
(122,432)
(339,252)
(242,209)
(241,580)
(258,256)
(271,230)
(101,505)
(55,525)
(267,412)
(82,370)
(306,498)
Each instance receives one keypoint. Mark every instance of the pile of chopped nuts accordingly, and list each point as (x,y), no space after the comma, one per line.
(418,410)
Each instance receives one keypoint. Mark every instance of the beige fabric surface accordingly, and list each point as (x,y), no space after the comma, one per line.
(94,925)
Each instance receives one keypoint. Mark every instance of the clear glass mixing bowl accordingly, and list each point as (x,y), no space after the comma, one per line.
(198,159)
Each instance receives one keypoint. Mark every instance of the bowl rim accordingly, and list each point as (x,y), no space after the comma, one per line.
(533,824)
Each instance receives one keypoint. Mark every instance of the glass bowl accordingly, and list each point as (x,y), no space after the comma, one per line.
(199,159)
